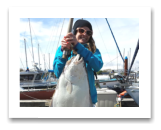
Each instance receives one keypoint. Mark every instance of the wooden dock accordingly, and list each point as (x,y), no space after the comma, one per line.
(126,102)
(35,103)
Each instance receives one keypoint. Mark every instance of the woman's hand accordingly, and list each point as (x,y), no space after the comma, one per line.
(68,40)
(64,45)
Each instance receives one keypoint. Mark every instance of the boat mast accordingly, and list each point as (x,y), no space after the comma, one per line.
(129,57)
(117,59)
(25,52)
(123,56)
(31,40)
(44,63)
(49,60)
(38,56)
(69,30)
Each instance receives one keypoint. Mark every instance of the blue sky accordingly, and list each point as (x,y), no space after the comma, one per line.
(48,32)
(136,22)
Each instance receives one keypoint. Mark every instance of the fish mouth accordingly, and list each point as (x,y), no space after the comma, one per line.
(76,60)
(79,59)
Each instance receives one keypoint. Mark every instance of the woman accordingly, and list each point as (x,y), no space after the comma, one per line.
(83,44)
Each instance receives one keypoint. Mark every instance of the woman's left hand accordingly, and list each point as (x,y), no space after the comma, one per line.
(71,39)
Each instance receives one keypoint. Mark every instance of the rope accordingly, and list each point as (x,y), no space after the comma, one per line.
(135,53)
(112,60)
(22,63)
(114,39)
(55,38)
(102,39)
(51,37)
(60,33)
(31,40)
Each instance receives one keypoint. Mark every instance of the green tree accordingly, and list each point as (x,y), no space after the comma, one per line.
(99,72)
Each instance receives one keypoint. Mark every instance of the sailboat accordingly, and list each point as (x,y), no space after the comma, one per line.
(131,88)
(32,84)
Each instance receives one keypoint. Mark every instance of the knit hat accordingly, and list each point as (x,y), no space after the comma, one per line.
(81,23)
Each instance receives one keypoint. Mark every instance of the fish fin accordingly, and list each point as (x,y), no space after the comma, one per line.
(69,87)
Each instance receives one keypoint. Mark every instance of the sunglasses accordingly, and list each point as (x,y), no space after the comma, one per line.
(82,31)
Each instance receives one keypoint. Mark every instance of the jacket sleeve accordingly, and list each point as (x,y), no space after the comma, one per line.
(59,62)
(94,60)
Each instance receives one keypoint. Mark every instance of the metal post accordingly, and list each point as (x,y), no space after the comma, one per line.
(69,30)
(128,60)
(38,56)
(44,62)
(126,66)
(49,60)
(123,56)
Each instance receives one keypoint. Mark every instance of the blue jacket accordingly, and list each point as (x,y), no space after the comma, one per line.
(93,63)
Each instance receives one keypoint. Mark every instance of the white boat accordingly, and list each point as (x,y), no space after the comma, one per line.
(133,91)
(35,79)
(34,86)
(105,81)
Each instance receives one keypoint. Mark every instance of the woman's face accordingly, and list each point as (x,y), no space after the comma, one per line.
(83,37)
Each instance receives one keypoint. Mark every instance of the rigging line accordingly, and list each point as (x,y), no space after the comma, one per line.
(43,57)
(40,49)
(34,34)
(22,64)
(25,29)
(56,36)
(28,48)
(46,63)
(31,39)
(51,37)
(60,33)
(112,60)
(24,37)
(134,56)
(36,38)
(114,39)
(103,40)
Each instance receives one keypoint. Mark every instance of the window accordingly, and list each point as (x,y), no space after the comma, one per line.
(30,77)
(21,78)
(38,77)
(26,77)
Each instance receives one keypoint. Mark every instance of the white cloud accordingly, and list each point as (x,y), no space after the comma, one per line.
(126,32)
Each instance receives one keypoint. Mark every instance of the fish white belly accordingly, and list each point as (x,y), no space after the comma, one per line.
(73,87)
(72,95)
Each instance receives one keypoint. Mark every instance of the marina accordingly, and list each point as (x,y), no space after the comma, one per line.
(37,88)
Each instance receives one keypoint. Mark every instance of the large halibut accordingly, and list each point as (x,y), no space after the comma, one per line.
(73,87)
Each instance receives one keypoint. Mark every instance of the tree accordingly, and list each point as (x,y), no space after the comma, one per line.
(99,72)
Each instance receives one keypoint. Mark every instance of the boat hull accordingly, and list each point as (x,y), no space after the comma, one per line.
(133,91)
(37,94)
